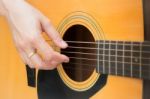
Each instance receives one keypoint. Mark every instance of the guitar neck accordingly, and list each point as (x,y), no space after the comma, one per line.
(131,59)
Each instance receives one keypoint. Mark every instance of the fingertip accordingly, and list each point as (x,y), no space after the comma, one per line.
(66,59)
(64,44)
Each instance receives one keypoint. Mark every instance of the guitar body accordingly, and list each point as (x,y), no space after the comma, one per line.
(104,20)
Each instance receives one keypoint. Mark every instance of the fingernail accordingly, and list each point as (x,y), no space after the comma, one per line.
(64,44)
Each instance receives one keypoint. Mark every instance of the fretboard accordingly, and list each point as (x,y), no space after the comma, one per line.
(131,59)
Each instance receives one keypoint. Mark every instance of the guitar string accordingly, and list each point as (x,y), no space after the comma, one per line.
(95,59)
(105,43)
(101,49)
(108,42)
(111,41)
(93,54)
(81,58)
(63,52)
(113,67)
(90,47)
(120,56)
(135,75)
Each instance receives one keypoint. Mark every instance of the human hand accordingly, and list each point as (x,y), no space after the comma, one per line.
(27,24)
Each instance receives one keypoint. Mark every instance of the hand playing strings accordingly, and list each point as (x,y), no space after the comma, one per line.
(27,24)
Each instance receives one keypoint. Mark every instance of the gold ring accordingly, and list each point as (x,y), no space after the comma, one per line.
(31,54)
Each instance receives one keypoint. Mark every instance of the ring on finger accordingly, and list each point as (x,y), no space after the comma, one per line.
(32,54)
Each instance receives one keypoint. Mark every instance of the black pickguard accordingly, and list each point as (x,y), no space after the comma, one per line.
(50,86)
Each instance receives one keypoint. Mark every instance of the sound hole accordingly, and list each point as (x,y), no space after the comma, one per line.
(80,66)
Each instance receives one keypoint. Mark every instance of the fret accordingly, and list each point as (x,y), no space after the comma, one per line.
(98,63)
(123,59)
(131,58)
(119,69)
(145,61)
(145,55)
(119,65)
(140,74)
(145,48)
(136,46)
(116,60)
(135,60)
(113,45)
(106,66)
(106,61)
(101,56)
(120,45)
(128,46)
(104,57)
(127,59)
(145,72)
(112,61)
(127,70)
(127,53)
(112,57)
(113,52)
(109,57)
(135,70)
(136,54)
(113,68)
(106,45)
(119,53)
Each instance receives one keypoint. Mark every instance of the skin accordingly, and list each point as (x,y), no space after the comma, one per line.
(27,24)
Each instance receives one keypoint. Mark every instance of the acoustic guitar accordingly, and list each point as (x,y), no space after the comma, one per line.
(109,58)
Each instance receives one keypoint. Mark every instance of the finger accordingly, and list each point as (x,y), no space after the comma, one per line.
(60,58)
(50,57)
(43,48)
(57,59)
(34,58)
(21,52)
(52,33)
(37,61)
(25,59)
